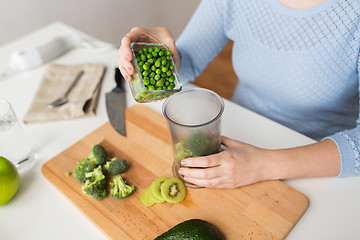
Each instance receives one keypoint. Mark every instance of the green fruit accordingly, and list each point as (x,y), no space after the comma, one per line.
(193,229)
(9,180)
(156,189)
(173,190)
(145,198)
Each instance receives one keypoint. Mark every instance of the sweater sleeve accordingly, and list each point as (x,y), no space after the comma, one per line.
(348,143)
(202,39)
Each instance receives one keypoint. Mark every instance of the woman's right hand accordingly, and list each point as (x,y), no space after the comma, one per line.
(138,34)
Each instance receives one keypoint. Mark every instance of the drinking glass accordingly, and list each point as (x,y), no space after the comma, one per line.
(13,142)
(194,118)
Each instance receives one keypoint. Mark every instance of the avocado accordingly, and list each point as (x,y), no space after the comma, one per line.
(193,229)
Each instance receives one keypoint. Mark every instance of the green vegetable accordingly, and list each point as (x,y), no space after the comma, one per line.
(119,188)
(155,65)
(83,167)
(98,154)
(116,166)
(68,174)
(197,144)
(193,229)
(95,185)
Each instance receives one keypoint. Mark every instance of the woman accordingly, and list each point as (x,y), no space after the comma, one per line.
(298,64)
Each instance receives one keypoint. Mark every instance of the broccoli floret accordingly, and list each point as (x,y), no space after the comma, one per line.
(116,166)
(83,167)
(98,154)
(95,185)
(119,188)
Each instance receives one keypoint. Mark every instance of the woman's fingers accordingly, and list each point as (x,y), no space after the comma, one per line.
(210,172)
(208,161)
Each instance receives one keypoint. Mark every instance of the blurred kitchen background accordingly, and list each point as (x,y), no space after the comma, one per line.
(107,20)
(110,20)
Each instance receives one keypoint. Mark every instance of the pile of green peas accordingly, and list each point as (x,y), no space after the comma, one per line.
(156,68)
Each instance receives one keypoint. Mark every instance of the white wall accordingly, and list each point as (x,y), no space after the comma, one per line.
(108,20)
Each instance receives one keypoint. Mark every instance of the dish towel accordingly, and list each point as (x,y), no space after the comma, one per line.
(82,99)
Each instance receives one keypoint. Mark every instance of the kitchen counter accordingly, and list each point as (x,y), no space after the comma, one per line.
(40,211)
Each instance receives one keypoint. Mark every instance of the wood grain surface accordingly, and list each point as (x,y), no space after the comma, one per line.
(266,210)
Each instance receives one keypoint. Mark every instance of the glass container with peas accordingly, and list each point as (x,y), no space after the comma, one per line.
(155,76)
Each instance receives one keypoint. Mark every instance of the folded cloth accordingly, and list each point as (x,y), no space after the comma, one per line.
(82,99)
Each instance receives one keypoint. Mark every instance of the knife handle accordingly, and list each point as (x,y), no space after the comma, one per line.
(119,79)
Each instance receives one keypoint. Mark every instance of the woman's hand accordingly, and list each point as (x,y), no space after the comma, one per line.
(138,34)
(240,164)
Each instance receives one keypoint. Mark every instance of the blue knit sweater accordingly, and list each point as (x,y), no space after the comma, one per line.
(299,67)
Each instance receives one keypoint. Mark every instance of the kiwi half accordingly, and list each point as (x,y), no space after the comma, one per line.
(145,197)
(173,190)
(156,189)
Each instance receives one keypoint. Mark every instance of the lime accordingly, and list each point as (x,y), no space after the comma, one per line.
(9,180)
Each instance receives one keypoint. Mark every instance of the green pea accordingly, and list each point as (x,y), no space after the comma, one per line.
(149,55)
(157,77)
(146,67)
(164,69)
(145,50)
(171,79)
(151,88)
(157,63)
(172,67)
(168,73)
(155,54)
(159,88)
(143,57)
(163,62)
(152,81)
(168,53)
(146,81)
(145,73)
(161,53)
(158,71)
(150,61)
(150,49)
(153,68)
(156,49)
(163,75)
(169,88)
(159,83)
(141,68)
(141,63)
(138,59)
(140,51)
(152,74)
(168,58)
(167,83)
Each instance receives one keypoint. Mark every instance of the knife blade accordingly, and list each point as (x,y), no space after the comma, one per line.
(116,104)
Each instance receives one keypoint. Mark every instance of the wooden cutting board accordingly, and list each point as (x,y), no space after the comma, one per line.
(266,210)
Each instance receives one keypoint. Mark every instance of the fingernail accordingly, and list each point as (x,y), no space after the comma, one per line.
(183,162)
(181,171)
(128,56)
(129,69)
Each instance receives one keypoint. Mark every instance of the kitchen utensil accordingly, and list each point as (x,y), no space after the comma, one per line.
(63,99)
(194,117)
(266,210)
(116,104)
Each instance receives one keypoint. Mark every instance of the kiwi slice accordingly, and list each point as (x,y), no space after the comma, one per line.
(173,190)
(156,189)
(145,197)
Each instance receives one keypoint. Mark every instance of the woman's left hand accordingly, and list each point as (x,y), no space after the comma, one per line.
(240,164)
